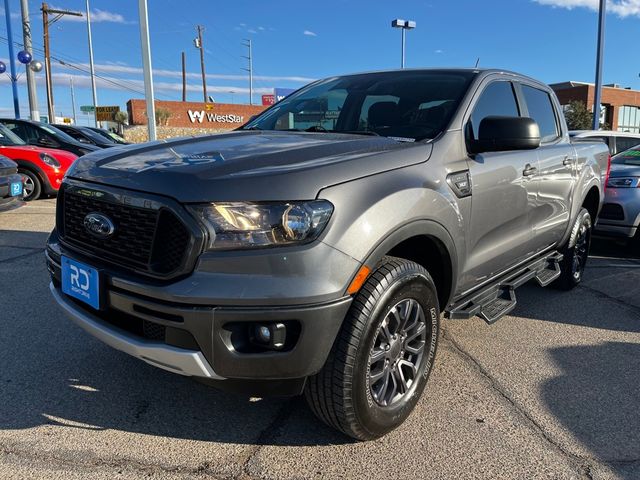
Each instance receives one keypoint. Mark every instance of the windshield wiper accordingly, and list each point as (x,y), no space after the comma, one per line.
(357,132)
(251,128)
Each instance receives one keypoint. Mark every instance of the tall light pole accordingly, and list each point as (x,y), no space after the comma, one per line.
(146,67)
(31,78)
(247,43)
(599,60)
(404,25)
(73,101)
(93,73)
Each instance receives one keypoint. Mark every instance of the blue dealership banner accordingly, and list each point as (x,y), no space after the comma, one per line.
(280,93)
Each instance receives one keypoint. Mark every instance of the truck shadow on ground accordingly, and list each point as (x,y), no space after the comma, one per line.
(53,373)
(596,398)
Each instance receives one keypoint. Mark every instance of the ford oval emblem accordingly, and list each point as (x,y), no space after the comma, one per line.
(99,225)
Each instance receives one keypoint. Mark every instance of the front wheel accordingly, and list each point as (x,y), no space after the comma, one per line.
(31,184)
(381,360)
(575,252)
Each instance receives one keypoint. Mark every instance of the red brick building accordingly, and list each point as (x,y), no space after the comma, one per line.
(218,116)
(621,106)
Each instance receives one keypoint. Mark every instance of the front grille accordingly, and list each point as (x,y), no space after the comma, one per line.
(146,239)
(612,211)
(153,331)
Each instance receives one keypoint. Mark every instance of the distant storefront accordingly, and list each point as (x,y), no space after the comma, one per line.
(218,116)
(620,106)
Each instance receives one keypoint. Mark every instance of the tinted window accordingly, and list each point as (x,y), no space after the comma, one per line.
(407,105)
(541,110)
(625,143)
(497,99)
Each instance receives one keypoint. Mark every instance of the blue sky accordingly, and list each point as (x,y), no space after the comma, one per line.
(294,42)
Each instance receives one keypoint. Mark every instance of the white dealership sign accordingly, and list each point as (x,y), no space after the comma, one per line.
(199,116)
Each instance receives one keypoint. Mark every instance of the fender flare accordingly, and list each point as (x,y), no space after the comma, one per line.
(428,228)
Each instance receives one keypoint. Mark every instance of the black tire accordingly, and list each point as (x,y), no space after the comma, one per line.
(347,393)
(31,180)
(575,252)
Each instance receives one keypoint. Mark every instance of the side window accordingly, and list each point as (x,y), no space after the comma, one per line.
(625,143)
(497,99)
(541,110)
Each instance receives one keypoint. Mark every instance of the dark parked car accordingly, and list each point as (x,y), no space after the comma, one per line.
(11,188)
(45,135)
(85,135)
(114,137)
(313,250)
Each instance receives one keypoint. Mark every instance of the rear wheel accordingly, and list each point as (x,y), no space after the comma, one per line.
(575,252)
(381,360)
(31,183)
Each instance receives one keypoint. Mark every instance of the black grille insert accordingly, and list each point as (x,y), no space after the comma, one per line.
(153,240)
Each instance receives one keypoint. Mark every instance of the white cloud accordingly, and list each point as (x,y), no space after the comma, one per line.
(309,33)
(622,8)
(97,16)
(110,67)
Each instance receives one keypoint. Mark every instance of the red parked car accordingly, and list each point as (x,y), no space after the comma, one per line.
(41,168)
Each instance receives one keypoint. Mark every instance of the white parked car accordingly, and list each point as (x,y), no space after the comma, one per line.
(617,141)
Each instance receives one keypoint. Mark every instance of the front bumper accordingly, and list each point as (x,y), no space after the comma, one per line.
(197,339)
(8,202)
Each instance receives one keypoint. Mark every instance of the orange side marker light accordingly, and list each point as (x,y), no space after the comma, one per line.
(359,280)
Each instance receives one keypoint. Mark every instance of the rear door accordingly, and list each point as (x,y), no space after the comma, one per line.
(499,229)
(557,170)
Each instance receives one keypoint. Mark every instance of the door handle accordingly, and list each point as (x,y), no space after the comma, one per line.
(567,162)
(529,170)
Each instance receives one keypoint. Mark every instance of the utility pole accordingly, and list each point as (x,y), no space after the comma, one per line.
(46,11)
(12,61)
(93,73)
(146,67)
(184,78)
(73,101)
(599,60)
(199,45)
(250,69)
(31,78)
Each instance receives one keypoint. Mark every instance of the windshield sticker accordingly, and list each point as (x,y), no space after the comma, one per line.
(403,139)
(141,163)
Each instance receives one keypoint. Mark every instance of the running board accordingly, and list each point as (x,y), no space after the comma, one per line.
(496,300)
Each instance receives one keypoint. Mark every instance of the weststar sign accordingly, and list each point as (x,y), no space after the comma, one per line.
(199,116)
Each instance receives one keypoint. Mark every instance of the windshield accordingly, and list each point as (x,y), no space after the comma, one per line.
(8,138)
(628,157)
(406,105)
(57,133)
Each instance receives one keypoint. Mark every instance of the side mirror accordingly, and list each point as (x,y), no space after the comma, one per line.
(501,134)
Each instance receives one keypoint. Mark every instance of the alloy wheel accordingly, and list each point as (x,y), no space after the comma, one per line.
(580,252)
(397,353)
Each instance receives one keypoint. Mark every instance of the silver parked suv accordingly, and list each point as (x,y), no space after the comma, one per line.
(314,249)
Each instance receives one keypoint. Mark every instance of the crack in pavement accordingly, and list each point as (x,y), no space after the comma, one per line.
(582,464)
(93,461)
(24,255)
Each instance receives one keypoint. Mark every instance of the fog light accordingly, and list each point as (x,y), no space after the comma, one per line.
(269,335)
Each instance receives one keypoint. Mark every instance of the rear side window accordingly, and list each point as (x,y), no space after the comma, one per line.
(625,143)
(497,99)
(541,110)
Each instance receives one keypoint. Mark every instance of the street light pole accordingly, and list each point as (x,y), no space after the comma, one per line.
(93,73)
(146,67)
(73,101)
(599,60)
(31,78)
(404,25)
(12,61)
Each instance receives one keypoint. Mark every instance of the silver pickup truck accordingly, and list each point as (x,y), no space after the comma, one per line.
(314,249)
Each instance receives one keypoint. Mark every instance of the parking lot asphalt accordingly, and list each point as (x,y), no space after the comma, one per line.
(551,391)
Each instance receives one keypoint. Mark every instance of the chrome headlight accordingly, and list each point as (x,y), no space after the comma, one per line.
(623,182)
(237,225)
(49,160)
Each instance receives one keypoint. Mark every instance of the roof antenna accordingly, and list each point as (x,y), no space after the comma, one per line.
(477,62)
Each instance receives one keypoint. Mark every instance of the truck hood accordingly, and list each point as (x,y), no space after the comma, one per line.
(246,165)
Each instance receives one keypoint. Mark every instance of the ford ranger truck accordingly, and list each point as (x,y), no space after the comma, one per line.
(313,250)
